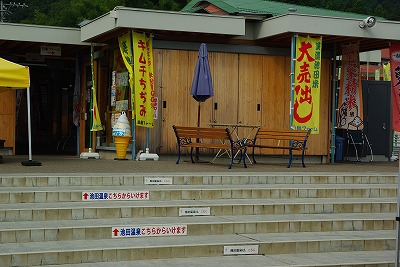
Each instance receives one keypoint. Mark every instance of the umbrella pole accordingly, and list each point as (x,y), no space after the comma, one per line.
(29,162)
(198,140)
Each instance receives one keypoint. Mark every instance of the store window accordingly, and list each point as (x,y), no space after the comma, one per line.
(119,93)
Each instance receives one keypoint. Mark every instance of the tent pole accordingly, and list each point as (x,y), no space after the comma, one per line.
(28,100)
(30,162)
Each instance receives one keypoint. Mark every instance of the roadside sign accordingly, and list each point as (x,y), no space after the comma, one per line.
(115,195)
(158,181)
(241,250)
(149,231)
(202,211)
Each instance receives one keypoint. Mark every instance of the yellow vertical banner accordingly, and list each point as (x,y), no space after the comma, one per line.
(150,64)
(386,72)
(307,72)
(96,126)
(144,80)
(96,122)
(125,46)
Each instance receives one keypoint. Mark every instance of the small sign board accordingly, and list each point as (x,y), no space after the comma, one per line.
(149,231)
(115,195)
(46,50)
(155,106)
(241,250)
(157,181)
(34,57)
(201,211)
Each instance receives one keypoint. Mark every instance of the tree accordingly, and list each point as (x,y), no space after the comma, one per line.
(359,8)
(380,11)
(69,13)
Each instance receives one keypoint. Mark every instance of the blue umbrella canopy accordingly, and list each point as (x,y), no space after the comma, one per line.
(202,87)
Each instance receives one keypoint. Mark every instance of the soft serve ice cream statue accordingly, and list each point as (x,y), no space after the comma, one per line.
(122,126)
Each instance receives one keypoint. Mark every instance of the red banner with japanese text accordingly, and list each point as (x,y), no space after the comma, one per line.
(395,77)
(350,92)
(307,72)
(145,100)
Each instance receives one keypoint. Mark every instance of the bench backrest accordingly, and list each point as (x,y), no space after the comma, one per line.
(202,132)
(292,138)
(291,135)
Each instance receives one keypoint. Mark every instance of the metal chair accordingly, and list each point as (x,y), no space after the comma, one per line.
(357,138)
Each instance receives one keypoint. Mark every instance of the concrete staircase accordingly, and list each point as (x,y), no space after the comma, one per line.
(198,220)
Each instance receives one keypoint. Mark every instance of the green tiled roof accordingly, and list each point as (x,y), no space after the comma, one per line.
(196,9)
(270,8)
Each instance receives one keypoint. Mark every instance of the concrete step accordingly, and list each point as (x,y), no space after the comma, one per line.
(218,207)
(189,192)
(132,249)
(332,259)
(62,180)
(92,229)
(318,219)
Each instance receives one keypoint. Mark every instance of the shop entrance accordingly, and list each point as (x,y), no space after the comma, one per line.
(377,108)
(53,131)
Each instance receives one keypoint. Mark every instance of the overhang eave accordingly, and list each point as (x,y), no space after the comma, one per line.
(161,21)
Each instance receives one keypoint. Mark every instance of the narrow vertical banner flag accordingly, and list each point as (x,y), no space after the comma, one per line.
(97,126)
(386,72)
(96,123)
(350,93)
(395,76)
(125,46)
(76,101)
(144,80)
(307,74)
(150,64)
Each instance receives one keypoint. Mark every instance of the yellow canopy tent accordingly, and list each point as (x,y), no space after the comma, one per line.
(15,76)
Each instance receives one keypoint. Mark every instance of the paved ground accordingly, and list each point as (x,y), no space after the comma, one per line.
(166,164)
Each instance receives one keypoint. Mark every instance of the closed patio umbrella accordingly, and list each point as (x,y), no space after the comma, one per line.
(202,88)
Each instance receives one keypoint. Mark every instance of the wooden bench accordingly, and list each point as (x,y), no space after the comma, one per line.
(281,139)
(212,138)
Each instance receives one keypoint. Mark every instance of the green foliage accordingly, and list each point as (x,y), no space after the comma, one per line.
(380,11)
(69,13)
(389,9)
(169,5)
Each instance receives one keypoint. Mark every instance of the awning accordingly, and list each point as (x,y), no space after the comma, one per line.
(13,75)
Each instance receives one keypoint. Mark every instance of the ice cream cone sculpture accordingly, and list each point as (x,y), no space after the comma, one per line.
(122,135)
(121,145)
